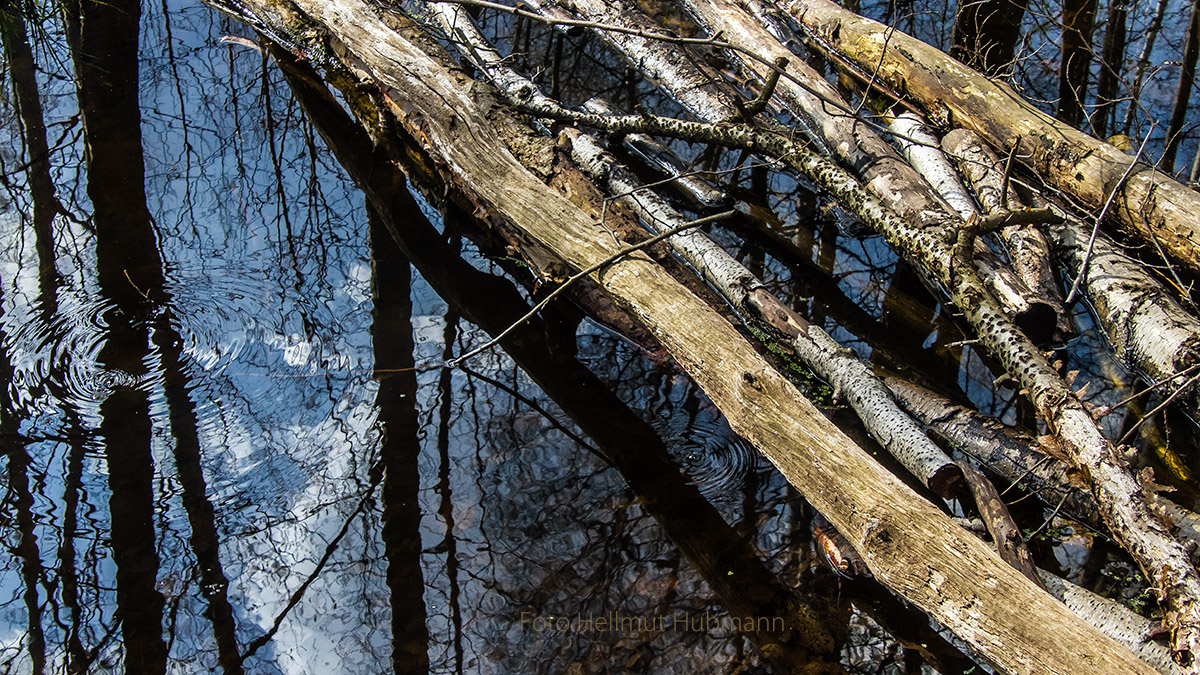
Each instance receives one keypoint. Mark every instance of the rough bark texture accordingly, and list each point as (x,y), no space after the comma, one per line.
(852,379)
(1006,536)
(907,543)
(1149,204)
(1027,248)
(1149,331)
(1114,620)
(934,250)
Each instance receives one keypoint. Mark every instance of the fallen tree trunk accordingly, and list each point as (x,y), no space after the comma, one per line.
(1148,330)
(1115,620)
(624,440)
(837,365)
(1022,459)
(851,379)
(908,544)
(854,144)
(1037,312)
(942,252)
(1027,248)
(1149,204)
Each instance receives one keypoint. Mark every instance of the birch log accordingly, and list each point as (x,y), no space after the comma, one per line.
(852,379)
(808,97)
(935,249)
(907,543)
(1114,620)
(660,156)
(1027,248)
(1039,317)
(839,366)
(1148,330)
(1149,204)
(1018,457)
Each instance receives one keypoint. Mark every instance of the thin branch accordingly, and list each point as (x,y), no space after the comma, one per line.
(1087,257)
(759,104)
(1175,394)
(456,362)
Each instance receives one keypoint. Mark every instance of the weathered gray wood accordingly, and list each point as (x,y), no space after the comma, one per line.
(1114,620)
(839,366)
(938,245)
(1149,331)
(1150,204)
(907,543)
(852,379)
(1027,248)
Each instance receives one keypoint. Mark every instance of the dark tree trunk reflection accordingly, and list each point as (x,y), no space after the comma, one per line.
(103,37)
(391,335)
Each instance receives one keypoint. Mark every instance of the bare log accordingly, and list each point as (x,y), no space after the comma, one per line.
(1148,330)
(1027,248)
(851,379)
(1116,490)
(1114,620)
(1118,493)
(839,366)
(1006,536)
(942,253)
(1149,204)
(902,536)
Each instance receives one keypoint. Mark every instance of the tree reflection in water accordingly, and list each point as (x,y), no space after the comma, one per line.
(217,454)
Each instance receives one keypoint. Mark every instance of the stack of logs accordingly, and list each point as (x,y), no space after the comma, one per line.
(549,195)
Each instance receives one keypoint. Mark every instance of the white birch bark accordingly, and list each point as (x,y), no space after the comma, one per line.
(968,588)
(660,156)
(840,367)
(1114,620)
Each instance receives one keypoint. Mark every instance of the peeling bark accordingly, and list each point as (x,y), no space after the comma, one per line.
(1027,248)
(985,601)
(1114,620)
(1148,330)
(1149,204)
(840,367)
